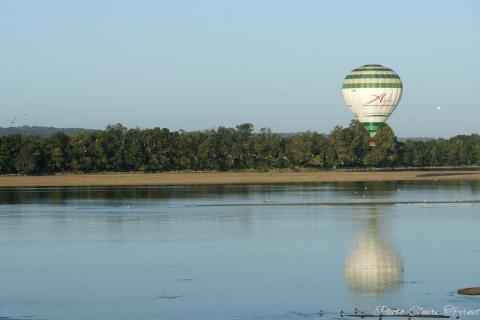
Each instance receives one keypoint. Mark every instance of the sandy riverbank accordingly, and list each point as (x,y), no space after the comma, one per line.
(205,178)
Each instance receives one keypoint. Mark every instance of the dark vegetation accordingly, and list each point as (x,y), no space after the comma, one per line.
(38,131)
(150,150)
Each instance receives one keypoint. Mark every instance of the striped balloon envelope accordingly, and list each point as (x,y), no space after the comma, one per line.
(372,92)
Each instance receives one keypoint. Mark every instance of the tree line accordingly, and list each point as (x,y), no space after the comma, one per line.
(40,131)
(119,149)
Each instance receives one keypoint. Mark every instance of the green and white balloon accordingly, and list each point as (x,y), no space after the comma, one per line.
(372,92)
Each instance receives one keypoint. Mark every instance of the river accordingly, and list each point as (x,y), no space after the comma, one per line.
(294,251)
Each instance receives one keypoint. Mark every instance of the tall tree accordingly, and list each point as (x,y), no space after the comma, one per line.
(386,153)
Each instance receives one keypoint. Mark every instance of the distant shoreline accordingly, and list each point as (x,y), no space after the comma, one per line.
(220,178)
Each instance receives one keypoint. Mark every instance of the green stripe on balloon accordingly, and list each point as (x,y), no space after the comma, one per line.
(372,85)
(372,76)
(372,69)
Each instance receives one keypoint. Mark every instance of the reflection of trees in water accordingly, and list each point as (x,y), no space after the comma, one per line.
(62,194)
(373,266)
(142,207)
(390,188)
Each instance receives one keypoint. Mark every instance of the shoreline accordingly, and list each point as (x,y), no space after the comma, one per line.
(220,178)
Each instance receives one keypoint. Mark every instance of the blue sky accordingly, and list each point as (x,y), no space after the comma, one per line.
(202,64)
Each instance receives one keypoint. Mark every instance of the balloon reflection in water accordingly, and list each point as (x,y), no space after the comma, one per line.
(373,266)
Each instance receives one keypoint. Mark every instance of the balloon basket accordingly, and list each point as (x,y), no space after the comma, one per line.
(372,144)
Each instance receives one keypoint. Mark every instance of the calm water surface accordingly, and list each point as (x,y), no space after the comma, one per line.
(199,253)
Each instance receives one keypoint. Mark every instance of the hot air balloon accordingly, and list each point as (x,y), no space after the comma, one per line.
(372,92)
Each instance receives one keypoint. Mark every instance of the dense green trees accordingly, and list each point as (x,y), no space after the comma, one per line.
(386,153)
(118,148)
(35,131)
